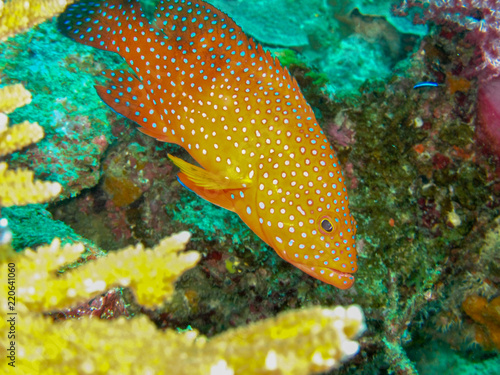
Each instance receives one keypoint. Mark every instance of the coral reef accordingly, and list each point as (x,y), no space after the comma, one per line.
(425,196)
(131,267)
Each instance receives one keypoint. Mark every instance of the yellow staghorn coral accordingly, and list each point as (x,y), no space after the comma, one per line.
(13,96)
(151,273)
(21,135)
(18,187)
(296,342)
(18,136)
(19,15)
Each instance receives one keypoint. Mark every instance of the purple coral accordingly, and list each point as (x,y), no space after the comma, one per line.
(479,18)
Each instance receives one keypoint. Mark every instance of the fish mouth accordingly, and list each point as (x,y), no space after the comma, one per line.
(341,280)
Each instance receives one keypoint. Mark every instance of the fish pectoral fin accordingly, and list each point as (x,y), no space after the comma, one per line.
(206,179)
(208,185)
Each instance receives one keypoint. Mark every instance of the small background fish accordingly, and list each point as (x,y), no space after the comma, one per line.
(196,80)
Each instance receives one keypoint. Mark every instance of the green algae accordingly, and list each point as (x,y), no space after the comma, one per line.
(33,225)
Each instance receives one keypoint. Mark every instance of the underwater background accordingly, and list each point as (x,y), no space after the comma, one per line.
(408,93)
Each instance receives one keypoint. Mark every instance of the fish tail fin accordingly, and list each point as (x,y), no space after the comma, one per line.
(100,24)
(91,22)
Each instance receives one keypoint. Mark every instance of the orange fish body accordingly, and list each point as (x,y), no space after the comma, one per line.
(198,81)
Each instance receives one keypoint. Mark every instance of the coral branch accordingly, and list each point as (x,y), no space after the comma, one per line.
(297,342)
(302,341)
(294,342)
(18,136)
(13,96)
(19,15)
(151,273)
(18,188)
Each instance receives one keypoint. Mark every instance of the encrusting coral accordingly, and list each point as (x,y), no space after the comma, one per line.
(487,315)
(294,342)
(18,187)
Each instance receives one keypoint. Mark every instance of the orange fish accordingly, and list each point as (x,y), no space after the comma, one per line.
(198,81)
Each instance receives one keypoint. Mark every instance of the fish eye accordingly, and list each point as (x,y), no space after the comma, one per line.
(326,225)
